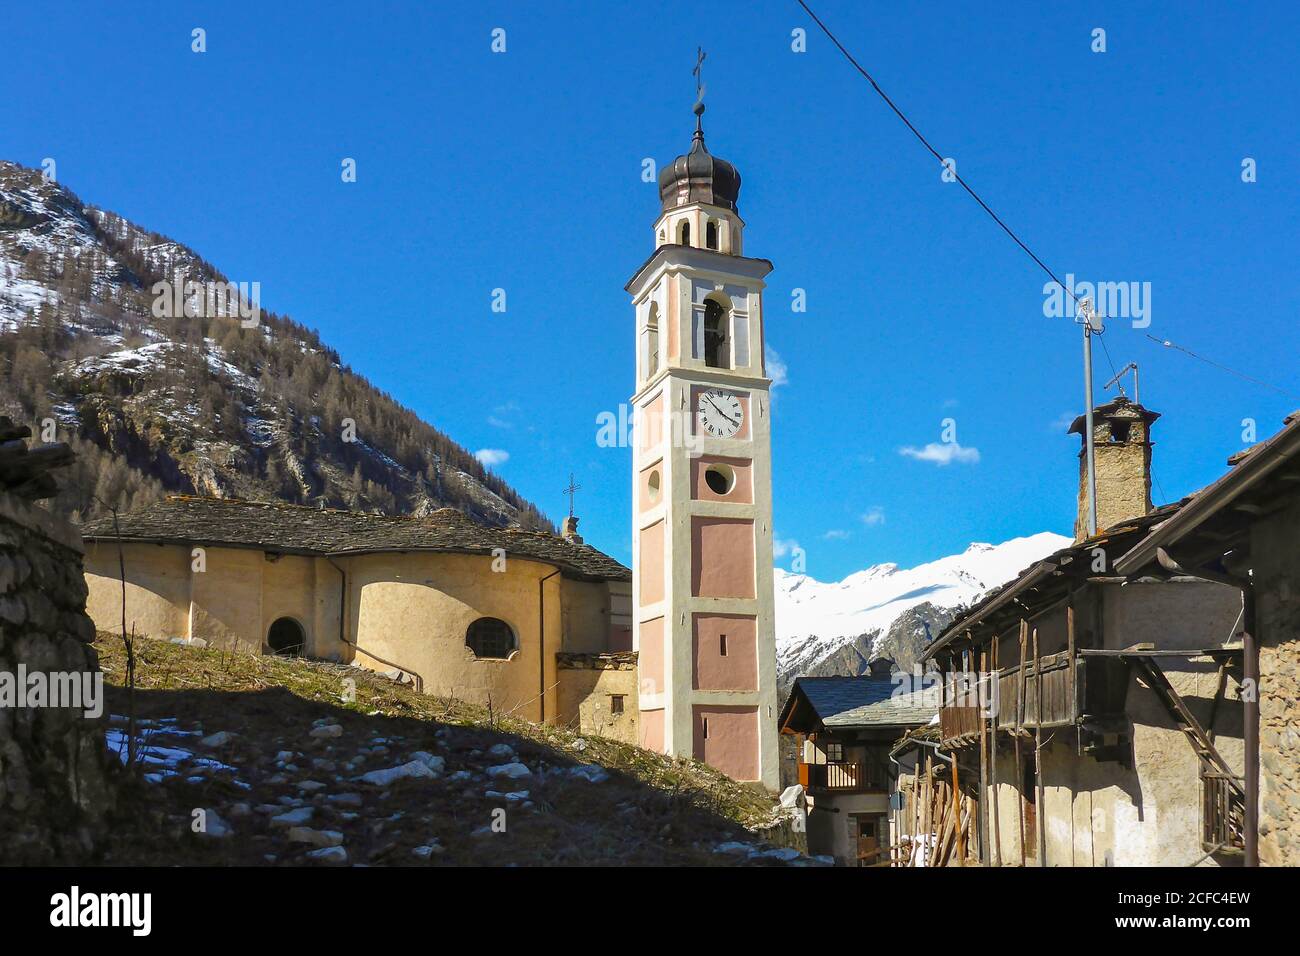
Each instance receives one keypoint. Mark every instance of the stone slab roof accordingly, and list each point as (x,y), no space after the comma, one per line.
(848,702)
(296,529)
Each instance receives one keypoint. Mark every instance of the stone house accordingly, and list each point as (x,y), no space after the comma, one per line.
(844,728)
(1095,715)
(1243,531)
(534,623)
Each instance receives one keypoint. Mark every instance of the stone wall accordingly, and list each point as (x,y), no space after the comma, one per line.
(587,685)
(53,762)
(1277,614)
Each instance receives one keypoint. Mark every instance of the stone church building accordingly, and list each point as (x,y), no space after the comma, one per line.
(536,623)
(677,654)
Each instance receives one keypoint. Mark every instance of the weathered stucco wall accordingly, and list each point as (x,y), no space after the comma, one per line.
(53,784)
(231,603)
(406,611)
(1101,813)
(588,685)
(1275,546)
(829,823)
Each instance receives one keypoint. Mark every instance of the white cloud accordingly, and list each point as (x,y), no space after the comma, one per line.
(1062,422)
(776,367)
(501,415)
(491,457)
(782,547)
(835,534)
(873,516)
(942,453)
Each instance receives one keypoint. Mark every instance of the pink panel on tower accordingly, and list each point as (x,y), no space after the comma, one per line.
(726,655)
(722,557)
(726,738)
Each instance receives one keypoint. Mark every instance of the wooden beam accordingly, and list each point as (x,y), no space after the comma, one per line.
(1040,810)
(993,765)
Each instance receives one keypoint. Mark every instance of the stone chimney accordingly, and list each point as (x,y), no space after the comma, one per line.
(1122,448)
(570,530)
(881,667)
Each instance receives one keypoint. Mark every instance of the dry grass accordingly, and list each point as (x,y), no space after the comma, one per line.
(653,810)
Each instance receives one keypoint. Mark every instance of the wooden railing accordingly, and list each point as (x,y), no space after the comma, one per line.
(1223,813)
(840,777)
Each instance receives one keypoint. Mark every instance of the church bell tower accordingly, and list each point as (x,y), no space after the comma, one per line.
(702,480)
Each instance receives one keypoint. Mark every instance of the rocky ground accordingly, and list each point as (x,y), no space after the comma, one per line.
(241,759)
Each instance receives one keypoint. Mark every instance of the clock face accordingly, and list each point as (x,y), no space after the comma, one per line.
(721,413)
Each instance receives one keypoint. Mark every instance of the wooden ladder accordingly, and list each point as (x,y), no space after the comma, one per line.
(1211,760)
(1213,766)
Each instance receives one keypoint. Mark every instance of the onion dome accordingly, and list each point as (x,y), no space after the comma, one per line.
(699,176)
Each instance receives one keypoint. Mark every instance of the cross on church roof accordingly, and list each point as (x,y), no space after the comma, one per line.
(571,491)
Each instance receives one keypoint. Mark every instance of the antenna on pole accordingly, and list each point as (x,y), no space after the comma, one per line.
(1130,367)
(1091,325)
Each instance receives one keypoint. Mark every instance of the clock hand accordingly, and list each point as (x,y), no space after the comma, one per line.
(722,413)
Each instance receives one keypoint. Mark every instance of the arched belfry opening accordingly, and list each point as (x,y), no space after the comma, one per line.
(286,637)
(711,235)
(715,335)
(684,233)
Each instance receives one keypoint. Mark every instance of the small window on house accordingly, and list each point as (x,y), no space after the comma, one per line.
(711,235)
(491,638)
(616,704)
(684,233)
(715,336)
(286,637)
(835,753)
(722,645)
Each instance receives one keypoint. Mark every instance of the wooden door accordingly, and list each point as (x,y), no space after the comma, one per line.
(870,829)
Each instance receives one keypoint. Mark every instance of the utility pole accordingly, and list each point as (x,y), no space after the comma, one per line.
(1085,312)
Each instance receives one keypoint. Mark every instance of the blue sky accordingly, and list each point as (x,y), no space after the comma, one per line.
(522,170)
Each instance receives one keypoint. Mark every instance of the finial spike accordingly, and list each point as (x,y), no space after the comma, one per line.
(698,72)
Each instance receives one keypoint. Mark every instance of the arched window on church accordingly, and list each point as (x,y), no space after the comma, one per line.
(684,233)
(715,336)
(652,341)
(286,638)
(711,235)
(492,638)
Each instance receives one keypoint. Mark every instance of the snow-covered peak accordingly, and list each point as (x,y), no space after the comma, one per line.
(814,618)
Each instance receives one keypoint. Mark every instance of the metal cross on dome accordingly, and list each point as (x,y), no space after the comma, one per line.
(698,73)
(571,491)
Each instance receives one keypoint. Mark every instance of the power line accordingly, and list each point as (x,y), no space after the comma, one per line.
(934,152)
(1225,368)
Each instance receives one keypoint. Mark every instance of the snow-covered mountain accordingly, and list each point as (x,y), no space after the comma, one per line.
(827,628)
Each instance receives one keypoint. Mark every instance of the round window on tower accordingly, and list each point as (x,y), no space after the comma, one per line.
(720,479)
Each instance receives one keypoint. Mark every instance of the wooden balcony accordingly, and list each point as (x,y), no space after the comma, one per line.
(828,778)
(1092,687)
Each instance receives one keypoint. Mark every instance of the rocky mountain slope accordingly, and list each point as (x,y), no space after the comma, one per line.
(838,628)
(162,386)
